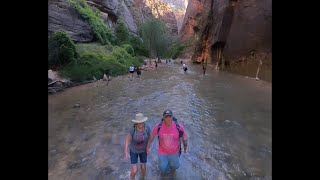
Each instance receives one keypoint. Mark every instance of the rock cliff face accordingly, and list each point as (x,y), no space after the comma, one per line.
(190,26)
(64,18)
(134,12)
(178,7)
(164,12)
(61,17)
(235,34)
(191,19)
(114,9)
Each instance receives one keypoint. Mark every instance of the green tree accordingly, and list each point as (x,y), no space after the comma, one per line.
(155,38)
(61,50)
(138,46)
(122,32)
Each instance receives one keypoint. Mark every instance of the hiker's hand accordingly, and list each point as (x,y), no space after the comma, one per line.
(185,150)
(148,150)
(126,156)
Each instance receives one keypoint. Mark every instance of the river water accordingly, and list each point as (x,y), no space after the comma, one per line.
(227,119)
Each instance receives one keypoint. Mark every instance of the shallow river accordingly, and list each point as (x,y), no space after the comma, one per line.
(227,119)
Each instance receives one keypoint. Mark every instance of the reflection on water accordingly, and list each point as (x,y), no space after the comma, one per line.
(227,118)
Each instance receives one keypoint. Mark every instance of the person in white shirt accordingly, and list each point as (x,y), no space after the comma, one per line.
(131,68)
(184,66)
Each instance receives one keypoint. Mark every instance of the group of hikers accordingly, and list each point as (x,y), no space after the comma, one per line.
(184,67)
(131,69)
(170,134)
(138,69)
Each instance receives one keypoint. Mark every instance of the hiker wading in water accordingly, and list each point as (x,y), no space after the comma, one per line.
(137,138)
(131,69)
(170,133)
(185,68)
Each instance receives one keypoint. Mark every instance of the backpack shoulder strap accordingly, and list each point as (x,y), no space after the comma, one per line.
(147,129)
(159,125)
(133,130)
(175,120)
(178,127)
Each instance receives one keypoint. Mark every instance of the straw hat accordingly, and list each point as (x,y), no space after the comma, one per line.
(140,118)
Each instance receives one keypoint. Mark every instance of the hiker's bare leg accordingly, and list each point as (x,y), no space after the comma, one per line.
(134,169)
(172,172)
(143,169)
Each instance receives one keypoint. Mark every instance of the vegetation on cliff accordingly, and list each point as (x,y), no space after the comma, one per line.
(101,31)
(61,50)
(112,54)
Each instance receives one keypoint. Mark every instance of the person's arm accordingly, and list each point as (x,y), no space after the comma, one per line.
(184,139)
(153,134)
(185,144)
(149,142)
(126,145)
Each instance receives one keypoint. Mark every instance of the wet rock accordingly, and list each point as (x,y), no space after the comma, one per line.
(107,170)
(84,159)
(51,91)
(76,105)
(58,84)
(53,151)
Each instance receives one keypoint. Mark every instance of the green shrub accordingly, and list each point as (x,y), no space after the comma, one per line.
(101,31)
(121,55)
(136,61)
(138,46)
(61,50)
(96,60)
(175,50)
(91,64)
(94,48)
(128,48)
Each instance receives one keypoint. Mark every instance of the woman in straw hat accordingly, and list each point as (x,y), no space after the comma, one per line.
(137,138)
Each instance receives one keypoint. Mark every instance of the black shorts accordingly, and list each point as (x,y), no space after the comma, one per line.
(134,157)
(131,71)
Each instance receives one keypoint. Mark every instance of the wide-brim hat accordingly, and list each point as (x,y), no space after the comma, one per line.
(140,118)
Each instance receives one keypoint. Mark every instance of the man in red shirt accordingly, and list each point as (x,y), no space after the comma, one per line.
(169,132)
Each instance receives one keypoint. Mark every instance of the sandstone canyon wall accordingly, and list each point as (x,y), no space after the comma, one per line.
(61,17)
(235,33)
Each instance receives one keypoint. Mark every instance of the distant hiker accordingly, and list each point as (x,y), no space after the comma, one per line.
(169,60)
(138,72)
(170,133)
(181,62)
(156,65)
(106,75)
(131,68)
(204,68)
(145,63)
(185,68)
(166,61)
(137,140)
